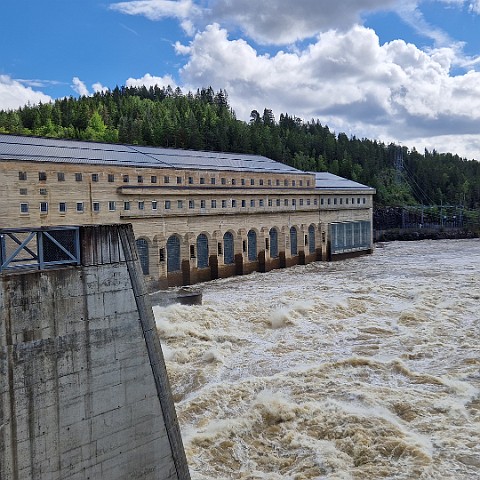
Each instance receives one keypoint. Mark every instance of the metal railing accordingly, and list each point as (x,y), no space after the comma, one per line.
(38,248)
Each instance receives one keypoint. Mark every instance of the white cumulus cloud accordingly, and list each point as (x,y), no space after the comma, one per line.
(347,80)
(80,87)
(15,94)
(151,80)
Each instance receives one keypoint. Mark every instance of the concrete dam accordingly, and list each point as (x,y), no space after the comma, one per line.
(84,392)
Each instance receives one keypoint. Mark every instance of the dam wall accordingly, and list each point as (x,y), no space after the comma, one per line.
(84,392)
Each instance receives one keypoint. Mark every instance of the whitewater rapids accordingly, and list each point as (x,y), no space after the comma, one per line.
(363,369)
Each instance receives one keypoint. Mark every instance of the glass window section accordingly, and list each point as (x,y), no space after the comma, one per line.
(293,241)
(142,249)
(173,254)
(202,251)
(228,251)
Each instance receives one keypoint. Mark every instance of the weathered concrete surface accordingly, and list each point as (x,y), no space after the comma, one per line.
(83,387)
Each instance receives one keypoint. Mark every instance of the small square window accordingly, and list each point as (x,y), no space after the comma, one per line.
(43,191)
(62,207)
(212,181)
(191,204)
(112,206)
(139,178)
(24,208)
(244,203)
(23,191)
(242,181)
(153,179)
(43,207)
(278,202)
(234,181)
(190,180)
(223,181)
(94,177)
(126,205)
(42,176)
(234,203)
(166,179)
(202,203)
(111,177)
(214,204)
(78,177)
(141,205)
(285,202)
(224,204)
(294,183)
(252,203)
(125,178)
(301,183)
(60,176)
(179,203)
(202,180)
(96,207)
(167,204)
(179,180)
(22,176)
(154,204)
(260,203)
(277,182)
(252,181)
(79,207)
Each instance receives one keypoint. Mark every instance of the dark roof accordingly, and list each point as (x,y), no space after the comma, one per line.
(329,181)
(38,149)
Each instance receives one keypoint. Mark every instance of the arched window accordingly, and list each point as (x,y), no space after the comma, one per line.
(142,249)
(293,241)
(252,245)
(228,252)
(202,251)
(311,239)
(273,234)
(173,254)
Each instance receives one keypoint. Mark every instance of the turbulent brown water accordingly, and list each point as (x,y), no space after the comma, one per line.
(362,369)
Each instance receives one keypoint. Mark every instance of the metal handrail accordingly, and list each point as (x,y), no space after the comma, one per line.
(39,248)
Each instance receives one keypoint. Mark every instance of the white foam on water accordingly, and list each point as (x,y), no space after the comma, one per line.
(362,369)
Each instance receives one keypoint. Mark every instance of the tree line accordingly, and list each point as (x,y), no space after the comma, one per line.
(204,120)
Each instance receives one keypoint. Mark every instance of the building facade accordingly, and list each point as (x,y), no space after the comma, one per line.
(196,215)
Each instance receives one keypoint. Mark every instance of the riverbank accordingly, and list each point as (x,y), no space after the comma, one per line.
(413,234)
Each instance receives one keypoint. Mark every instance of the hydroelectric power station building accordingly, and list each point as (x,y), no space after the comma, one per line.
(196,215)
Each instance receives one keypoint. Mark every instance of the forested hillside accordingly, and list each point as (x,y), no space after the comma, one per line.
(204,121)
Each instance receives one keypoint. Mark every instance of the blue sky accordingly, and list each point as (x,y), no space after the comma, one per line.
(402,71)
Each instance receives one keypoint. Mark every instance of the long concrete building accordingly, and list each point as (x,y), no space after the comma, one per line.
(196,215)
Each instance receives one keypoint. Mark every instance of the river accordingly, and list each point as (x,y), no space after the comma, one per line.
(362,369)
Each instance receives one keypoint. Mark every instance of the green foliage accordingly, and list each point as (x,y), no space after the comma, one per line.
(204,121)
